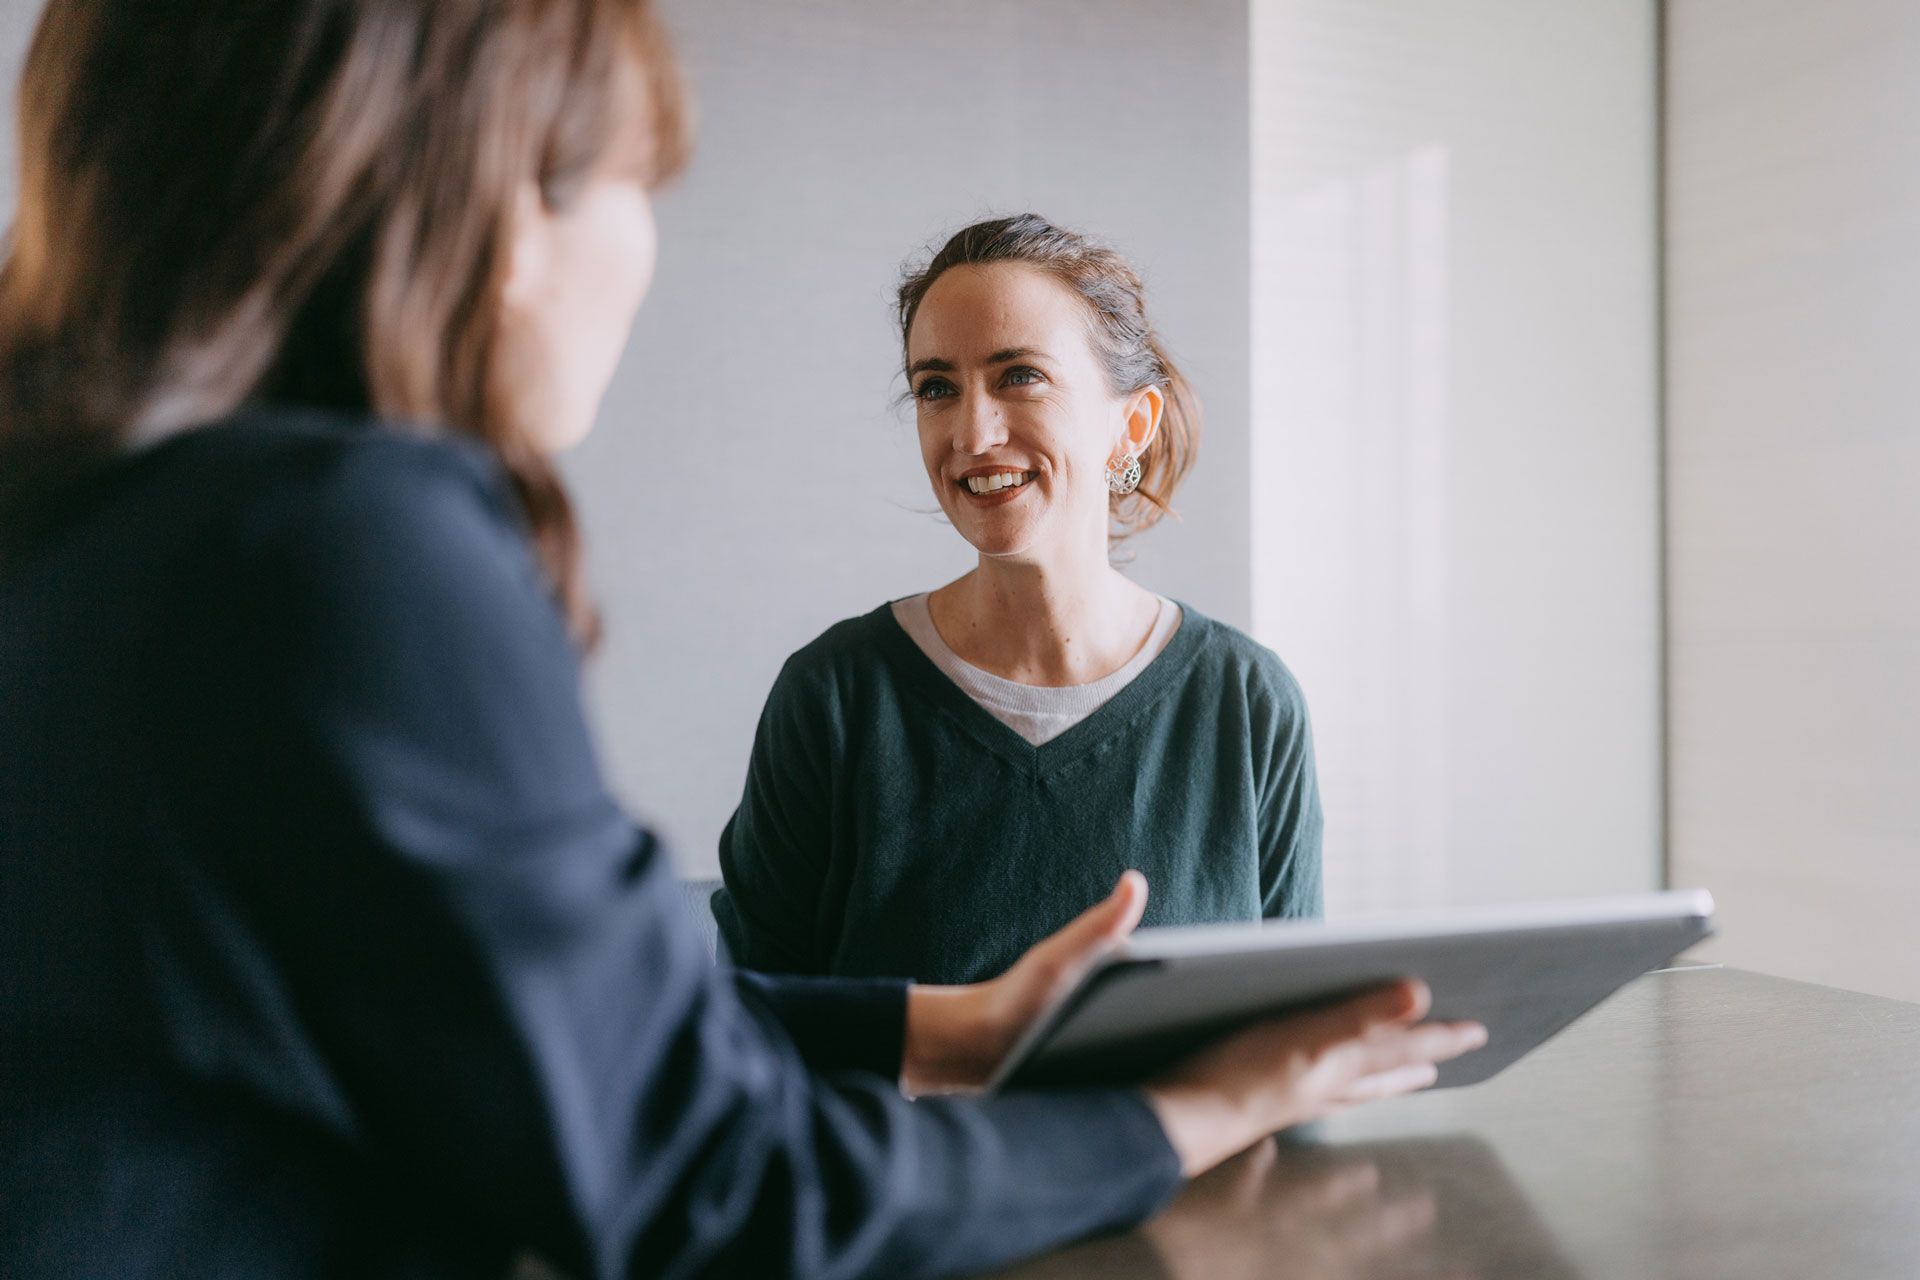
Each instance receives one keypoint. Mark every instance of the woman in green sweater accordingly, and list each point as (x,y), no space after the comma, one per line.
(942,782)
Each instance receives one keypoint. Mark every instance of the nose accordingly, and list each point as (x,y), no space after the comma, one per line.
(980,426)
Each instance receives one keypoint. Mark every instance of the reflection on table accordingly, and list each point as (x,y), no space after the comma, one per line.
(1426,1207)
(1701,1124)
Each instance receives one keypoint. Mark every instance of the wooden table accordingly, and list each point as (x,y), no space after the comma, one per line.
(1702,1123)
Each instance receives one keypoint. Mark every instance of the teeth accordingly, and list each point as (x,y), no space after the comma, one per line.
(997,482)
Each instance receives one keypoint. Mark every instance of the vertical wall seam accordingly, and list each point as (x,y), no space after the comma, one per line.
(1661,409)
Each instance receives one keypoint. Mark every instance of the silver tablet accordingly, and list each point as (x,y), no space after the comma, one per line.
(1525,971)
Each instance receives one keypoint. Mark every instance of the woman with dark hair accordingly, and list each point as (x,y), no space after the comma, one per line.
(942,782)
(323,950)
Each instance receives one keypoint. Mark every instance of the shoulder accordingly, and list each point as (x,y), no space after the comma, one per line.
(848,651)
(1227,655)
(215,490)
(347,472)
(342,518)
(856,662)
(312,484)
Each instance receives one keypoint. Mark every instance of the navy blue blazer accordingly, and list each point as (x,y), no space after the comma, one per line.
(325,952)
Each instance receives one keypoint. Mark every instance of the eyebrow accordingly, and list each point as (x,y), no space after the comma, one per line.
(1006,355)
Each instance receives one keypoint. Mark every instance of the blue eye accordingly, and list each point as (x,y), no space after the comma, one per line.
(1022,375)
(933,389)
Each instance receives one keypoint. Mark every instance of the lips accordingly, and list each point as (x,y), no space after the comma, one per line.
(984,484)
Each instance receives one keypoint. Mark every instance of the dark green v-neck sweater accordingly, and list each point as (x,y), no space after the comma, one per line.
(892,826)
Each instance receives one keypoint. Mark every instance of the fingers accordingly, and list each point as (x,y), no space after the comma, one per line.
(1101,925)
(1432,1042)
(1411,999)
(1405,1001)
(1388,1084)
(1396,1003)
(1127,902)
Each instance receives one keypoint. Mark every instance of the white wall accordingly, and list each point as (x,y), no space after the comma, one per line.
(1455,449)
(17,20)
(1794,429)
(751,481)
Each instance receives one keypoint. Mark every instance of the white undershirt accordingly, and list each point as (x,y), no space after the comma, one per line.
(1037,713)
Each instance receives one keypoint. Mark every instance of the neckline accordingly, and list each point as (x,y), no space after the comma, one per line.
(1139,694)
(1096,690)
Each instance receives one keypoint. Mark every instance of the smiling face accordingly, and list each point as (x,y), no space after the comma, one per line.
(1017,416)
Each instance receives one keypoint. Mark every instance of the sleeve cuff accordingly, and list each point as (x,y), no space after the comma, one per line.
(1139,1132)
(837,1024)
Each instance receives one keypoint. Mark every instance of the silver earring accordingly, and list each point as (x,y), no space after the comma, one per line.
(1123,474)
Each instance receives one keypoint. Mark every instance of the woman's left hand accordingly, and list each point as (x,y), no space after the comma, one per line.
(956,1036)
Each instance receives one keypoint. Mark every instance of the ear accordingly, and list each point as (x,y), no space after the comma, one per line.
(528,247)
(1144,410)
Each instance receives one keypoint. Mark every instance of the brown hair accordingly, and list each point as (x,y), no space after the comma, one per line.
(227,202)
(1122,336)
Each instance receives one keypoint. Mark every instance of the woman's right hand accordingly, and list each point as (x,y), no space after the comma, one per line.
(1292,1070)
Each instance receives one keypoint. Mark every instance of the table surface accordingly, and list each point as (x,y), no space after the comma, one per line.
(1701,1123)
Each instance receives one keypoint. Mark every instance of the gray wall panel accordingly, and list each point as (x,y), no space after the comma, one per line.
(1794,468)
